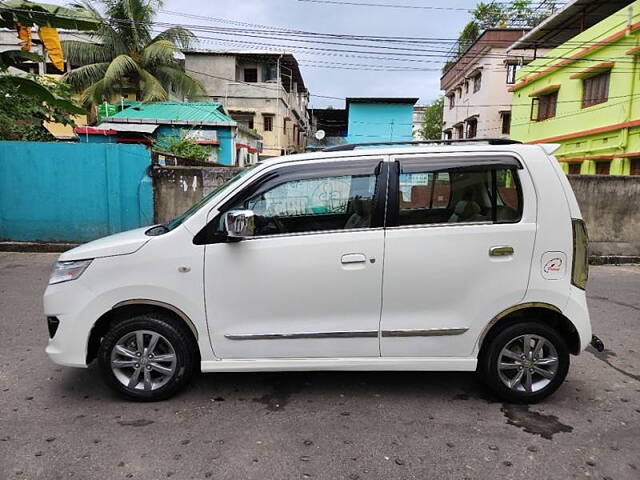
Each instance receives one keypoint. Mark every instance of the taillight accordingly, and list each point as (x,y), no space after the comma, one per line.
(580,270)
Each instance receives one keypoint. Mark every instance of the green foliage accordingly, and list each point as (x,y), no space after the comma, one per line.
(22,111)
(45,14)
(432,128)
(469,34)
(489,15)
(517,13)
(128,57)
(34,87)
(182,146)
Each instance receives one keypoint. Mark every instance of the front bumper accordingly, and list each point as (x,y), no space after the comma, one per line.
(68,303)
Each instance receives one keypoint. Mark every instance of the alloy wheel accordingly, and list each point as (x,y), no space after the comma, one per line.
(528,363)
(143,360)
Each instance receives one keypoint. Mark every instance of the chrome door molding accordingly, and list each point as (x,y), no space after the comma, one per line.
(409,332)
(424,332)
(303,335)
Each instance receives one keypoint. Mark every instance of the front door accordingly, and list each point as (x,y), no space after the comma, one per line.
(458,251)
(308,284)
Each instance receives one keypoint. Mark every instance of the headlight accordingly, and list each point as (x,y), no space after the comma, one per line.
(65,271)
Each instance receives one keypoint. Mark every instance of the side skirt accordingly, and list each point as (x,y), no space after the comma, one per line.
(435,364)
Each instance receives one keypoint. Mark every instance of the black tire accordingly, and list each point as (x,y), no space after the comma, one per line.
(184,352)
(489,359)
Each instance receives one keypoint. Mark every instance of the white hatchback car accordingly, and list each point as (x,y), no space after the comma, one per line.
(464,256)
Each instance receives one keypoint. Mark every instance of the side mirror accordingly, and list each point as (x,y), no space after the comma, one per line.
(240,223)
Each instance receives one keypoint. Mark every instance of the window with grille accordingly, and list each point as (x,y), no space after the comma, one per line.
(452,100)
(472,128)
(506,123)
(477,83)
(268,123)
(635,166)
(574,168)
(595,90)
(544,106)
(512,68)
(602,168)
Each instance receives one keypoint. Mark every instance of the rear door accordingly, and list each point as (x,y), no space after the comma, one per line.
(458,247)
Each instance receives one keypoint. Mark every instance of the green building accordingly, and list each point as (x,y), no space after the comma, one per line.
(584,94)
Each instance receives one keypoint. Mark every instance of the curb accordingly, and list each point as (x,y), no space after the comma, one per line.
(37,247)
(614,260)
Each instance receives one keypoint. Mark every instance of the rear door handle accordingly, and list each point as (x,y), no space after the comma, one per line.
(501,251)
(353,258)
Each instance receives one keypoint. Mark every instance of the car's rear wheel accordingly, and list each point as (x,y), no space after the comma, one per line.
(525,362)
(146,357)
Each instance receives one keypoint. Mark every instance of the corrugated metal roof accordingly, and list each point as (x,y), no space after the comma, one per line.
(175,113)
(573,19)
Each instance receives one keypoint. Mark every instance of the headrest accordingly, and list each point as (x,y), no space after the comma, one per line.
(466,209)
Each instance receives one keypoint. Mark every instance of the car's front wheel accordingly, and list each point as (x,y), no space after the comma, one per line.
(525,362)
(146,357)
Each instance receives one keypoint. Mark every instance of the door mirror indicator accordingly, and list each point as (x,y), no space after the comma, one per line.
(240,223)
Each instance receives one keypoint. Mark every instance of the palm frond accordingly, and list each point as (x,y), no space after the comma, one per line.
(11,58)
(83,53)
(162,52)
(85,76)
(137,16)
(151,87)
(95,94)
(179,36)
(121,68)
(108,33)
(180,82)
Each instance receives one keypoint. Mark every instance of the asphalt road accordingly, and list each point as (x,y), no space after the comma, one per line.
(63,423)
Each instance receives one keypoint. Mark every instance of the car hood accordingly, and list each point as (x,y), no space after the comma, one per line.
(122,243)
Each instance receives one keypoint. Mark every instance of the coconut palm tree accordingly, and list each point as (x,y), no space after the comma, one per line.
(127,56)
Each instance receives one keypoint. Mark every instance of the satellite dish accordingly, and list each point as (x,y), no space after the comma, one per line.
(320,135)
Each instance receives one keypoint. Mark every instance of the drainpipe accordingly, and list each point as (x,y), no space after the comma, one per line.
(276,127)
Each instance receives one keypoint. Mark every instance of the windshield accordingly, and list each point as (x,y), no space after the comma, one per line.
(196,206)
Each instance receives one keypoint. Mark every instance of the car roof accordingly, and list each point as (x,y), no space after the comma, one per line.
(410,150)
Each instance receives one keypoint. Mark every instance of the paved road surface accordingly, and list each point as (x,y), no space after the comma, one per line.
(63,423)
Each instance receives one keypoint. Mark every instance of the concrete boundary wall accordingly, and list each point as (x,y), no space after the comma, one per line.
(177,188)
(610,206)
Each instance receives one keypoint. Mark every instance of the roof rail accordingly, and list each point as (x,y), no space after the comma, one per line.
(490,141)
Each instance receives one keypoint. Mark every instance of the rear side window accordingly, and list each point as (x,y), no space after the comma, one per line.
(473,194)
(424,190)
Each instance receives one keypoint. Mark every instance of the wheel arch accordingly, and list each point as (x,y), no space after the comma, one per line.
(128,308)
(540,311)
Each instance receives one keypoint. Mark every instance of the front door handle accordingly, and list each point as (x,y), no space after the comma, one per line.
(353,258)
(501,251)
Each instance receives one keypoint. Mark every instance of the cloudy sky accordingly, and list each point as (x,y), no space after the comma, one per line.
(344,19)
(325,72)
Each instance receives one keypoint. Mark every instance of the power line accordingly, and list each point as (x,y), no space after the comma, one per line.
(405,6)
(387,5)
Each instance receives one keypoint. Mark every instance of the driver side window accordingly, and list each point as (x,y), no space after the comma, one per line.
(320,203)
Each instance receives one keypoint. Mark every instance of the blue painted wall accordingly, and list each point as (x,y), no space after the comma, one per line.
(72,192)
(380,122)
